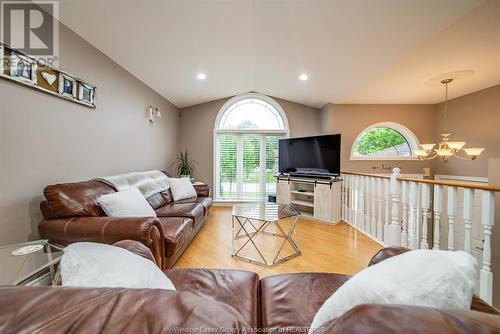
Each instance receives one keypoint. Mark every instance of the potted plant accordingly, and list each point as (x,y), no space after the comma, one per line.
(183,165)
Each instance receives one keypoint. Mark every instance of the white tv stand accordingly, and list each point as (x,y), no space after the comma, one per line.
(315,198)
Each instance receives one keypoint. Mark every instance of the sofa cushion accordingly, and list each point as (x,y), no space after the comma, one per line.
(126,203)
(104,310)
(237,288)
(160,199)
(90,264)
(77,199)
(176,231)
(292,300)
(181,188)
(205,201)
(395,319)
(431,278)
(194,211)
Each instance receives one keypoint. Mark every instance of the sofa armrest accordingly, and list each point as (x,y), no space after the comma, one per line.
(386,253)
(202,190)
(136,247)
(106,230)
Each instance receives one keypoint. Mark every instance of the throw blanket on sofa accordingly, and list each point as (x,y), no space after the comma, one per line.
(149,183)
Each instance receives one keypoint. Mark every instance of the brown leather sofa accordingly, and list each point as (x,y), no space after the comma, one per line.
(71,214)
(228,301)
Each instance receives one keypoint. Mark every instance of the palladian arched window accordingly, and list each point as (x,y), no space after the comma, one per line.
(385,141)
(246,134)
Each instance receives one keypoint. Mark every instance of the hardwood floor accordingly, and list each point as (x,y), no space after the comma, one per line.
(325,248)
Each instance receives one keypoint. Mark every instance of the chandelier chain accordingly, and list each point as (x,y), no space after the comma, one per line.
(445,110)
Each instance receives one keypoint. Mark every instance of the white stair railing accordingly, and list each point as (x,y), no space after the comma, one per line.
(395,210)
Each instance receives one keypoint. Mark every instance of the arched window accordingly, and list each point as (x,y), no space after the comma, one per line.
(246,134)
(385,141)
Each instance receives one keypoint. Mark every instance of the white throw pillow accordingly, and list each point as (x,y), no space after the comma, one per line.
(126,203)
(431,278)
(88,264)
(181,188)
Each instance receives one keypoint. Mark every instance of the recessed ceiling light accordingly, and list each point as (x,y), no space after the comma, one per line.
(201,76)
(303,77)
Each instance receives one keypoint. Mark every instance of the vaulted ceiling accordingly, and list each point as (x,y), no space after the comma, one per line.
(354,51)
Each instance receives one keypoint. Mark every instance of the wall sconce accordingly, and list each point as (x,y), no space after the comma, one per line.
(153,113)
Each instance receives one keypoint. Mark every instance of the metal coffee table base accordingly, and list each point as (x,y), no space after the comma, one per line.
(239,223)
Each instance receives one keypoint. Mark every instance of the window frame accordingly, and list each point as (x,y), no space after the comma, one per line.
(218,131)
(407,134)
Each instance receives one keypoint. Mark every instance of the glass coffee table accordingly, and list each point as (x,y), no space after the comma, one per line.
(29,263)
(264,233)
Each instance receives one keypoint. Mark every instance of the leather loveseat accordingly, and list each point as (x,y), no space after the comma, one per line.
(224,301)
(71,214)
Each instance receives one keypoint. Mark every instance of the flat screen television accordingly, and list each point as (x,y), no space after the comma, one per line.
(319,155)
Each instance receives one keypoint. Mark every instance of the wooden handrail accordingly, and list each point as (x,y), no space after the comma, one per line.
(387,176)
(434,182)
(453,184)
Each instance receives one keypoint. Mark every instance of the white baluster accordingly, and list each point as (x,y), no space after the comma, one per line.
(395,227)
(451,208)
(404,204)
(387,197)
(361,204)
(342,198)
(468,214)
(371,231)
(368,199)
(373,227)
(366,222)
(438,206)
(412,230)
(487,220)
(346,198)
(353,203)
(425,215)
(380,193)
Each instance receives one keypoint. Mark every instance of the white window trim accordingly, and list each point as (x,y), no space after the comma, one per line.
(217,132)
(410,137)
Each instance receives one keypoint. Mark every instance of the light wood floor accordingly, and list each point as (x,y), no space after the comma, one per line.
(325,248)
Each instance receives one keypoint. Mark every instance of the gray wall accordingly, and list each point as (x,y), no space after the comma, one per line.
(44,139)
(197,126)
(351,119)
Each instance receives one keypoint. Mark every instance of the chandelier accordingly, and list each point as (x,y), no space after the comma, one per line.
(447,148)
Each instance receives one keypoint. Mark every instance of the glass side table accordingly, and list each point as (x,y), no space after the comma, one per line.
(30,263)
(264,233)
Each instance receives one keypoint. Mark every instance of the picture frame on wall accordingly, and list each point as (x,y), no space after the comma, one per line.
(67,85)
(86,93)
(2,57)
(23,68)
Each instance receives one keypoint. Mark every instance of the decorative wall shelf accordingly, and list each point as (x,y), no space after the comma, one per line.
(23,69)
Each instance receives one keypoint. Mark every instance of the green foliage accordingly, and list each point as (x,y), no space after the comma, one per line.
(251,156)
(227,160)
(183,164)
(251,159)
(378,139)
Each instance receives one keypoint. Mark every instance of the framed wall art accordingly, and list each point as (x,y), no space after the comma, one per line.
(2,57)
(86,93)
(67,85)
(23,68)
